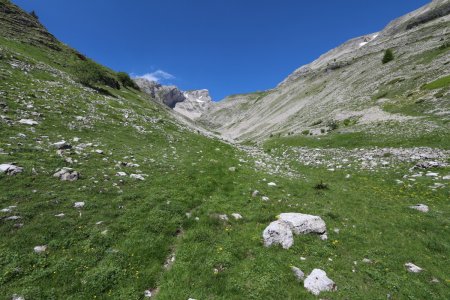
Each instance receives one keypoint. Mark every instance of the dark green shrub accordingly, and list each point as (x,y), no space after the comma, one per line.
(305,132)
(321,186)
(126,81)
(333,125)
(91,74)
(388,56)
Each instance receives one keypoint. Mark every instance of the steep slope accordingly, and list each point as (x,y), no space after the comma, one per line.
(351,84)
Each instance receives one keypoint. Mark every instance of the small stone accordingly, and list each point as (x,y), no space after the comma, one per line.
(98,151)
(223,217)
(420,207)
(137,176)
(265,198)
(272,184)
(17,297)
(147,293)
(28,122)
(236,216)
(447,177)
(432,174)
(13,218)
(318,282)
(121,174)
(232,169)
(298,273)
(79,204)
(413,268)
(62,145)
(366,261)
(40,249)
(255,193)
(61,215)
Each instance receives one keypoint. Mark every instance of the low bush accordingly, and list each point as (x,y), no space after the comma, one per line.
(126,81)
(91,74)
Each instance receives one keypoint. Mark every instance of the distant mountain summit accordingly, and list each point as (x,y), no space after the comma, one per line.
(192,104)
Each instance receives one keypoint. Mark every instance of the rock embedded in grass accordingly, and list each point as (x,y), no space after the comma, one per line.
(318,282)
(40,249)
(62,145)
(303,223)
(420,207)
(67,174)
(272,184)
(137,176)
(10,169)
(280,233)
(28,122)
(236,216)
(298,273)
(80,204)
(412,268)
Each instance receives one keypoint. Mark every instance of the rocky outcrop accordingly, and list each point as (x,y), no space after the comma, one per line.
(10,169)
(192,104)
(195,104)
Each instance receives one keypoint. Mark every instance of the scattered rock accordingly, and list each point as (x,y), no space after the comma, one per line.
(265,198)
(98,151)
(137,176)
(272,184)
(147,293)
(432,174)
(232,169)
(61,215)
(428,165)
(79,204)
(255,193)
(223,217)
(17,297)
(236,216)
(367,261)
(10,169)
(420,207)
(447,177)
(280,233)
(62,145)
(40,249)
(13,218)
(67,174)
(121,174)
(318,282)
(413,268)
(298,273)
(28,122)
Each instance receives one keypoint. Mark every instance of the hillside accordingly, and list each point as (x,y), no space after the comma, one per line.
(350,86)
(106,193)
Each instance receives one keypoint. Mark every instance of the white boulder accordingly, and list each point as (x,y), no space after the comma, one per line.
(318,282)
(28,122)
(280,233)
(40,249)
(303,224)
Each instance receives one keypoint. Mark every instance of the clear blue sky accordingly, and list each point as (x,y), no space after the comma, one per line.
(226,46)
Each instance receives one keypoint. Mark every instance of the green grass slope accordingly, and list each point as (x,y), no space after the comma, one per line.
(117,245)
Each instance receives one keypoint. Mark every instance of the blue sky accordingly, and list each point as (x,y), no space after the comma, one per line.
(226,46)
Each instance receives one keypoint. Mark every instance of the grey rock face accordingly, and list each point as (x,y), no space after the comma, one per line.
(192,104)
(318,282)
(195,104)
(278,233)
(10,169)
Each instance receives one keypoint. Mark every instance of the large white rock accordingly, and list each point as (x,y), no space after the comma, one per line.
(276,233)
(10,169)
(318,282)
(303,224)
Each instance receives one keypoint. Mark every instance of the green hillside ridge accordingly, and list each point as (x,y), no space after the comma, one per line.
(122,242)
